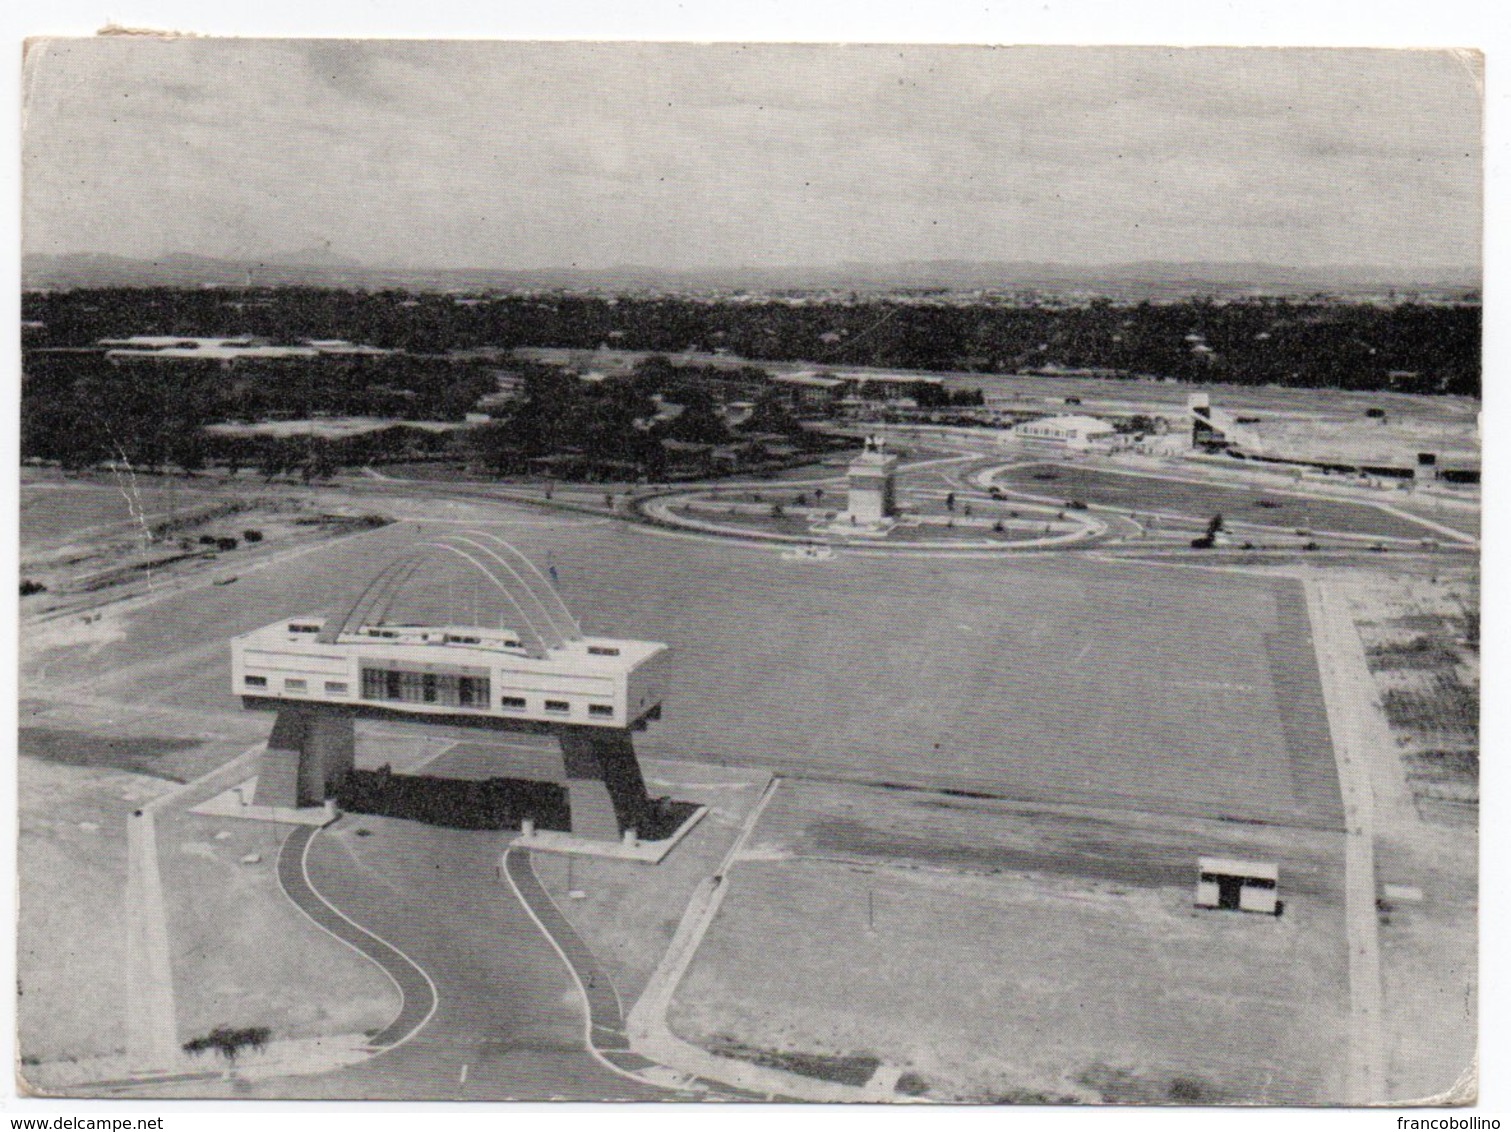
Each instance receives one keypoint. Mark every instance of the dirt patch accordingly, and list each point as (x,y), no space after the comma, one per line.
(997,988)
(73,748)
(1110,850)
(843,1069)
(1445,786)
(89,541)
(1420,628)
(71,864)
(242,954)
(1122,1085)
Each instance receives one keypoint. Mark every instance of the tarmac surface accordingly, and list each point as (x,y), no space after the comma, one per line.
(417,993)
(508,1020)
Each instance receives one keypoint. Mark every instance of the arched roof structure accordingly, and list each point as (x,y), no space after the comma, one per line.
(542,619)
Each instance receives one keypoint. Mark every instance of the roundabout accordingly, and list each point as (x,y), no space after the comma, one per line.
(774,516)
(877,507)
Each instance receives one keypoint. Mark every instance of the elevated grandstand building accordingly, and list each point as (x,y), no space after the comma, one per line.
(542,675)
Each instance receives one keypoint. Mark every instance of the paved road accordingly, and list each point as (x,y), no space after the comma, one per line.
(606,1023)
(1360,737)
(417,992)
(605,1013)
(507,1010)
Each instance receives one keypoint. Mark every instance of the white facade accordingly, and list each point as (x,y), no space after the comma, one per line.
(872,488)
(454,670)
(1061,432)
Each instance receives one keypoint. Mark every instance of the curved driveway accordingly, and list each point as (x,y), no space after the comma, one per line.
(507,1020)
(417,993)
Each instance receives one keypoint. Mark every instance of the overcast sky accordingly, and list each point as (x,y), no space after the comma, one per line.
(538,155)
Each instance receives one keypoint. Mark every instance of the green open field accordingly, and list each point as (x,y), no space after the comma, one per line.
(1203,500)
(54,508)
(1165,689)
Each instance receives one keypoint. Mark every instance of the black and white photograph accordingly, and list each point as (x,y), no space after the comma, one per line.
(749,572)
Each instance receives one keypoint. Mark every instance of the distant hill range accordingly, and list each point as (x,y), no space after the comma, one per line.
(1124,280)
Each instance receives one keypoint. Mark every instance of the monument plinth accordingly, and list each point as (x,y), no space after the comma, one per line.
(871,479)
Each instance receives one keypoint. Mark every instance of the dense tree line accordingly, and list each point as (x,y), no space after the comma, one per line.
(1325,344)
(655,422)
(81,408)
(314,457)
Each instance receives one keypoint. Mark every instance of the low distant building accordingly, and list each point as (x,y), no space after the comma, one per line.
(171,348)
(1214,429)
(896,390)
(1070,432)
(736,413)
(1458,470)
(809,392)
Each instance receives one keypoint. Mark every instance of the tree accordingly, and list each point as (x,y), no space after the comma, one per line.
(229,1043)
(494,445)
(699,421)
(186,448)
(277,456)
(320,464)
(771,414)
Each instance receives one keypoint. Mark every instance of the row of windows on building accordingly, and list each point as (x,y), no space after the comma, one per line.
(443,688)
(299,684)
(439,688)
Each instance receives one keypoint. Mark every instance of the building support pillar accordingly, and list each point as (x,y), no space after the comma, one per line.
(604,785)
(310,748)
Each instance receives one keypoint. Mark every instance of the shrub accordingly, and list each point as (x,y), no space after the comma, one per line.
(229,1042)
(226,543)
(252,536)
(29,587)
(1448,705)
(1029,1097)
(912,1084)
(846,1069)
(1188,1090)
(206,540)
